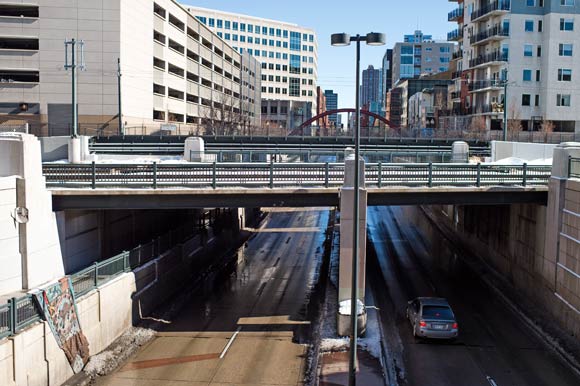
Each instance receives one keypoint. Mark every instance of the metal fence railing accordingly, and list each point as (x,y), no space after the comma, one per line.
(281,175)
(573,167)
(19,313)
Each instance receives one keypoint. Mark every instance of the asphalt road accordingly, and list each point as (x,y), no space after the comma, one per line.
(494,347)
(249,325)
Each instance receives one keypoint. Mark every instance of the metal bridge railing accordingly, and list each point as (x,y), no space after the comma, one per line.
(573,167)
(280,175)
(19,313)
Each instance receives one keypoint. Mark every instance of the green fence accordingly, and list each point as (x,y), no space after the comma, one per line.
(19,313)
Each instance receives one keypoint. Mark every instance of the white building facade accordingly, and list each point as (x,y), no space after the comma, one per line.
(532,42)
(289,57)
(173,68)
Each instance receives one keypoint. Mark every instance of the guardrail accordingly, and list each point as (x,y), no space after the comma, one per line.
(279,175)
(19,313)
(573,167)
(279,155)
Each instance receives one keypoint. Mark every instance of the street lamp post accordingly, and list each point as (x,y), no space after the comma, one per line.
(343,39)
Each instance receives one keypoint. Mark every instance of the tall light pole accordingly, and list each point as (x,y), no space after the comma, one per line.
(337,40)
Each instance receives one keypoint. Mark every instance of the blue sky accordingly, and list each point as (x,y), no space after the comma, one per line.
(336,67)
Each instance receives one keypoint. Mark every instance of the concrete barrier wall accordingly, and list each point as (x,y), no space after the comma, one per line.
(54,148)
(10,258)
(33,357)
(523,150)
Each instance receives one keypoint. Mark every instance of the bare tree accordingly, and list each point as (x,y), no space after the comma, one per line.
(514,124)
(547,126)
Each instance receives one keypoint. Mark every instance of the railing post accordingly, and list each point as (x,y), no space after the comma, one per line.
(478,183)
(13,314)
(126,262)
(326,175)
(380,182)
(96,277)
(569,166)
(154,175)
(271,175)
(93,175)
(430,174)
(213,175)
(525,176)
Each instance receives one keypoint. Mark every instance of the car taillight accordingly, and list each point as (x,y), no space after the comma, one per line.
(455,325)
(422,323)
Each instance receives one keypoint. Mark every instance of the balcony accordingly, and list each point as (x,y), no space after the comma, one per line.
(457,55)
(484,85)
(455,95)
(492,8)
(495,57)
(455,35)
(455,15)
(456,74)
(494,33)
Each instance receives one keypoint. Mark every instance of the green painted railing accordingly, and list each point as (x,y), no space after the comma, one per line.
(284,175)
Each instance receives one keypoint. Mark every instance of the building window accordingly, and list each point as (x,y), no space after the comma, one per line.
(531,3)
(537,100)
(527,77)
(568,3)
(539,52)
(158,89)
(529,26)
(525,99)
(18,10)
(295,41)
(175,117)
(528,50)
(158,115)
(24,44)
(177,23)
(228,24)
(538,75)
(273,109)
(159,37)
(540,25)
(176,46)
(158,63)
(211,22)
(294,87)
(295,64)
(235,26)
(159,11)
(565,49)
(564,75)
(563,100)
(566,24)
(175,94)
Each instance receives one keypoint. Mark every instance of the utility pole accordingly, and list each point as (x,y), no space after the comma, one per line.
(73,67)
(121,128)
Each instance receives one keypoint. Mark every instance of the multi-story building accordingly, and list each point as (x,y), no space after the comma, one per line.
(419,55)
(371,86)
(173,68)
(321,108)
(410,87)
(387,73)
(424,106)
(530,43)
(332,104)
(393,107)
(288,55)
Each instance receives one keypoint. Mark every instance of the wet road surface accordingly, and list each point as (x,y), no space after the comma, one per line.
(493,348)
(250,325)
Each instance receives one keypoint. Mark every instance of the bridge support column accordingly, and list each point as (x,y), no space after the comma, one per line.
(347,223)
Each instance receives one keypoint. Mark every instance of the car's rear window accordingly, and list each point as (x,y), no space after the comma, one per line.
(437,312)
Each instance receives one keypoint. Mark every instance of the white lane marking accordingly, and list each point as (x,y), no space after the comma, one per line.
(491,381)
(223,354)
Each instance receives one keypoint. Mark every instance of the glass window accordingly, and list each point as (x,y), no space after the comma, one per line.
(295,64)
(278,32)
(527,77)
(437,312)
(264,42)
(243,27)
(250,39)
(567,2)
(271,43)
(537,100)
(264,30)
(529,26)
(538,75)
(211,22)
(257,29)
(220,23)
(539,51)
(285,44)
(526,98)
(444,49)
(294,87)
(563,100)
(228,24)
(278,43)
(221,35)
(311,38)
(305,37)
(250,28)
(531,3)
(295,41)
(407,59)
(278,55)
(566,24)
(227,36)
(564,75)
(235,37)
(271,31)
(235,25)
(406,50)
(565,49)
(285,56)
(528,50)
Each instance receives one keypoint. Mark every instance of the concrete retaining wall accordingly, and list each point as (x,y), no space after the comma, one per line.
(32,357)
(10,258)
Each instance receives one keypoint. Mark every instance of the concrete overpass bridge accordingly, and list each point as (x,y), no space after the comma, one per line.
(198,185)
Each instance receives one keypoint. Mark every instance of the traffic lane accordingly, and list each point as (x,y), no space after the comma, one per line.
(444,364)
(493,337)
(205,343)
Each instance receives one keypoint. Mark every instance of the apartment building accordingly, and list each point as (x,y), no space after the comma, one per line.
(529,44)
(419,55)
(288,54)
(332,104)
(173,68)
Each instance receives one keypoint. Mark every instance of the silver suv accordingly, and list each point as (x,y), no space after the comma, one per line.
(432,318)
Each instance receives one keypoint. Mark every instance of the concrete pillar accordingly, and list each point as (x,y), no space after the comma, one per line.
(38,239)
(194,149)
(74,150)
(346,247)
(556,201)
(459,152)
